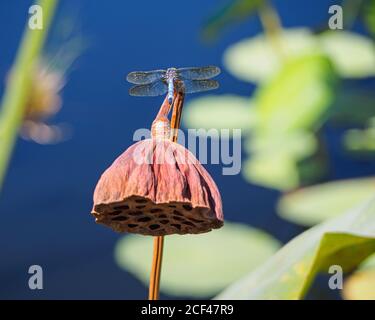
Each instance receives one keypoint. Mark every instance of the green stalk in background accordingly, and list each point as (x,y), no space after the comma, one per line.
(19,85)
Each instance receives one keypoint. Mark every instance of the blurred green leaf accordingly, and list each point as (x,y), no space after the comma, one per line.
(352,10)
(353,55)
(232,12)
(198,265)
(360,142)
(220,112)
(255,59)
(285,111)
(368,263)
(278,171)
(288,108)
(353,106)
(274,160)
(361,284)
(369,16)
(297,144)
(314,167)
(297,98)
(345,240)
(312,205)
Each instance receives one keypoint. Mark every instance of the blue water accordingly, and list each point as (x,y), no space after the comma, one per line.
(47,197)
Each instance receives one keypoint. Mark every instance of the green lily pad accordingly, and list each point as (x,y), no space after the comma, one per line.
(198,265)
(255,59)
(345,240)
(312,205)
(352,54)
(219,112)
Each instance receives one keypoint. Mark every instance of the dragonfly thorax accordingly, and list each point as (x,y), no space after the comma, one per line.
(171,74)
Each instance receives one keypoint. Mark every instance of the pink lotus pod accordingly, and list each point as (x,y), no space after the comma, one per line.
(157,187)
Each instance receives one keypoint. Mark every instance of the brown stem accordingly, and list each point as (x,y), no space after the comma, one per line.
(176,115)
(159,241)
(153,293)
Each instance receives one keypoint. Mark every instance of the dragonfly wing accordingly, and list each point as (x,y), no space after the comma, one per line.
(192,86)
(153,89)
(199,73)
(145,77)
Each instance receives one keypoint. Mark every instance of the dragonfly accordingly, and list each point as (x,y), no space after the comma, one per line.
(159,82)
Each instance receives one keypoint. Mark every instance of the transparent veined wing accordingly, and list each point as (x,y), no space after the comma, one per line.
(153,89)
(192,86)
(198,73)
(145,77)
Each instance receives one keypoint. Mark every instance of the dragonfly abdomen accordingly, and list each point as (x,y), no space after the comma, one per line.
(170,90)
